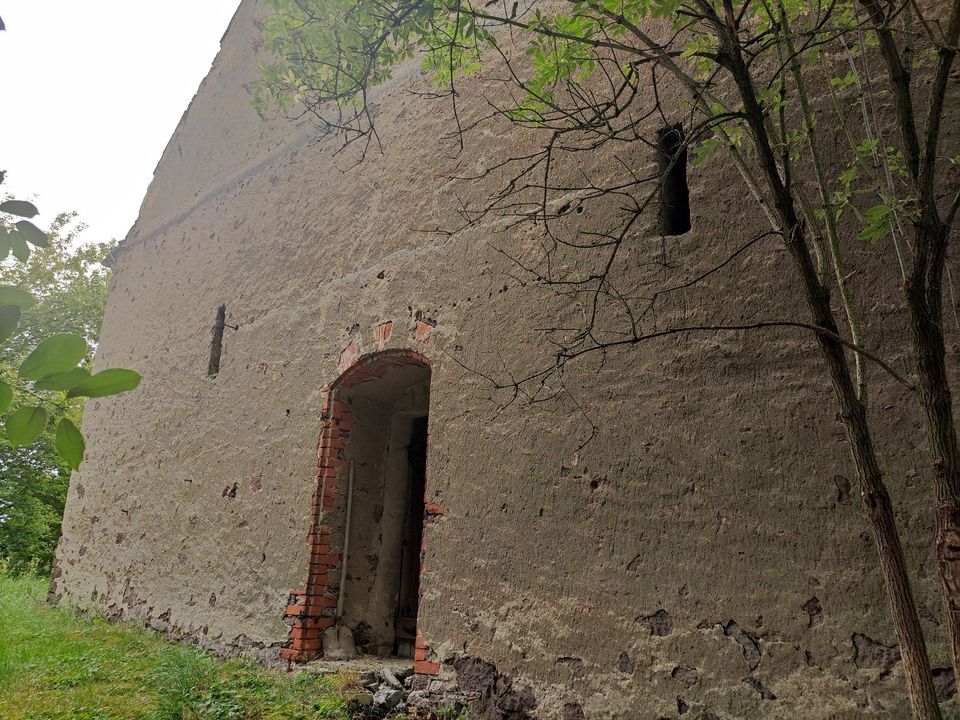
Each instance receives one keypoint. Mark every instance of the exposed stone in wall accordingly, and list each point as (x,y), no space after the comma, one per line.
(870,653)
(814,609)
(479,687)
(747,642)
(625,664)
(945,683)
(659,623)
(759,687)
(686,675)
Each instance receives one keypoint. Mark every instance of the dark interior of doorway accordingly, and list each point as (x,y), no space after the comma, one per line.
(409,591)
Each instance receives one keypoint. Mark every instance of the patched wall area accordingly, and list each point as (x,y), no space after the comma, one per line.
(704,552)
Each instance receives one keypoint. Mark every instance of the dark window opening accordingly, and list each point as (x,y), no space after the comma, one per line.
(674,194)
(216,345)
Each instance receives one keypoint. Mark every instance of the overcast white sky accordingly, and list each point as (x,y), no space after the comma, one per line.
(91,92)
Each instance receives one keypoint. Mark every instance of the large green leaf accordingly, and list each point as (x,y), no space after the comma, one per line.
(25,425)
(21,208)
(106,382)
(9,318)
(10,295)
(55,354)
(4,243)
(6,396)
(69,443)
(62,381)
(32,234)
(21,251)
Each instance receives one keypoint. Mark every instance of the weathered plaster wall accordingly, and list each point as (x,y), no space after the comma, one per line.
(708,534)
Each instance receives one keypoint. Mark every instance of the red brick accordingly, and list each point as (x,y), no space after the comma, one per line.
(423,329)
(304,633)
(291,654)
(424,667)
(318,537)
(322,601)
(432,508)
(295,610)
(420,654)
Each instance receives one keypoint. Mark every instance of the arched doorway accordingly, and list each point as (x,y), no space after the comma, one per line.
(365,542)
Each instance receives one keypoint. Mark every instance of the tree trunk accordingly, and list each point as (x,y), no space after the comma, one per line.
(876,499)
(924,300)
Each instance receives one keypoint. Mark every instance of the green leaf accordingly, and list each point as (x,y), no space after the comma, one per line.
(69,443)
(32,234)
(55,354)
(21,251)
(878,223)
(25,425)
(10,295)
(21,208)
(106,382)
(6,397)
(63,381)
(9,318)
(4,243)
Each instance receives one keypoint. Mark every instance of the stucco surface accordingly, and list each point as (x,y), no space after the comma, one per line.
(717,490)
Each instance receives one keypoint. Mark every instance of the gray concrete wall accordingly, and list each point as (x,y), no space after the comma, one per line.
(710,525)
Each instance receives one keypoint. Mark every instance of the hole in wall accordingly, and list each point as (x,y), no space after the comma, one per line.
(216,344)
(674,193)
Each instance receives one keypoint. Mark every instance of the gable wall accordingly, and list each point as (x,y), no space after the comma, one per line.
(710,493)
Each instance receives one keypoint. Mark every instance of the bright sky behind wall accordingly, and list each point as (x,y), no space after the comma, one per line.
(92,91)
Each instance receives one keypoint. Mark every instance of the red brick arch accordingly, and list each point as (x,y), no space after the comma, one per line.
(311,609)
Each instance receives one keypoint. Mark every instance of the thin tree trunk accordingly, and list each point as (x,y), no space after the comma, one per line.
(873,492)
(924,300)
(876,501)
(924,292)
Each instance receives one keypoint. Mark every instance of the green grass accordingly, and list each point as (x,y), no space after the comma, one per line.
(57,666)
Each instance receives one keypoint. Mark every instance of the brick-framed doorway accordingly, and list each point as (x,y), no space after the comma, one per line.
(312,609)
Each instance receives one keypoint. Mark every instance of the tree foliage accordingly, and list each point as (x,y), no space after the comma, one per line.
(51,306)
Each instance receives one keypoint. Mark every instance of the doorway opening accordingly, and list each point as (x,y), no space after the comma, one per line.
(363,579)
(383,512)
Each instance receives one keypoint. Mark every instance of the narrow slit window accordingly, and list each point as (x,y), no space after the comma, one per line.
(216,344)
(674,194)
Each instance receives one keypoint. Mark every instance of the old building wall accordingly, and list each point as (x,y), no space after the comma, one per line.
(705,550)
